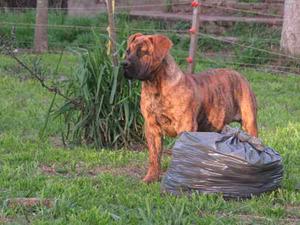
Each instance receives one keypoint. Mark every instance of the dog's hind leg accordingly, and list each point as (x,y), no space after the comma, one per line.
(248,111)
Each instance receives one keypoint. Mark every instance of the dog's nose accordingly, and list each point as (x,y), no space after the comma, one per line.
(125,64)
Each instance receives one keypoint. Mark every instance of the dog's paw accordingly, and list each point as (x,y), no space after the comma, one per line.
(150,179)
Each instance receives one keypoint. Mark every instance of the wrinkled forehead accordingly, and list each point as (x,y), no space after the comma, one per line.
(142,42)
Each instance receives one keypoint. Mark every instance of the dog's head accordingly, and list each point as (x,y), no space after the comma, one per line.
(144,55)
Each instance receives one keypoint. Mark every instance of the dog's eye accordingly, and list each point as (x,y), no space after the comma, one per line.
(128,51)
(145,53)
(138,52)
(141,53)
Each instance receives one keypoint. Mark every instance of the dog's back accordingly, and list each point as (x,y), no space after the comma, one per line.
(226,96)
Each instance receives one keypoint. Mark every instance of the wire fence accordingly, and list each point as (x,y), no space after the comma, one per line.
(149,31)
(145,6)
(268,55)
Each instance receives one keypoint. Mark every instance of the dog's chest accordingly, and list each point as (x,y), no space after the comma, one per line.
(160,109)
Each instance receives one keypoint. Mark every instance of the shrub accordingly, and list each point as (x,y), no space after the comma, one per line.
(107,110)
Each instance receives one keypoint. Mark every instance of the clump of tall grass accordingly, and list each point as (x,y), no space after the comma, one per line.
(106,113)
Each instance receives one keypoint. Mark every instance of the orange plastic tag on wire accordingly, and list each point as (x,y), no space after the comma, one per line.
(189,59)
(192,30)
(195,4)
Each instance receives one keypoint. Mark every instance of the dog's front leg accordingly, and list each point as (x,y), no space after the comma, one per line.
(154,140)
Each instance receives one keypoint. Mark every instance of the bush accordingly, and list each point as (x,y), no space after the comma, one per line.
(107,113)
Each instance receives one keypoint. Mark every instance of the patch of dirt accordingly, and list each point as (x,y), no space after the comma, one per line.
(29,202)
(56,142)
(138,147)
(4,220)
(293,212)
(50,170)
(64,170)
(133,170)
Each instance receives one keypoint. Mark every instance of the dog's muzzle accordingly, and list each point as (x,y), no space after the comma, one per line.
(126,69)
(135,71)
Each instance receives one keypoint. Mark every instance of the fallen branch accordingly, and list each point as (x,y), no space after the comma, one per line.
(7,47)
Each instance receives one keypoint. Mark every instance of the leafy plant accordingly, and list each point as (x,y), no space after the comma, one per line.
(100,108)
(107,113)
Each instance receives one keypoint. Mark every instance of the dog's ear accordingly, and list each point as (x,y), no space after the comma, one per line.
(133,37)
(161,44)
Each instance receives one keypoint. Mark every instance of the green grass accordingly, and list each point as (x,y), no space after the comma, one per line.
(91,186)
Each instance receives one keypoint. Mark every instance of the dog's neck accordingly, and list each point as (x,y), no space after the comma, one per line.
(167,74)
(172,72)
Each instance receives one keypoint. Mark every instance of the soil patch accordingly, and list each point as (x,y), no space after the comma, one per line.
(133,170)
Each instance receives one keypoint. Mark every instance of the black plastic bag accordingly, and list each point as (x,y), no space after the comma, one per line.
(232,163)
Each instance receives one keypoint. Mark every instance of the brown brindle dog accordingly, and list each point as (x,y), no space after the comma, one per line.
(173,102)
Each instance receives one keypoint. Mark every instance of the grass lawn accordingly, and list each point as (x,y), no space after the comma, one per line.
(89,186)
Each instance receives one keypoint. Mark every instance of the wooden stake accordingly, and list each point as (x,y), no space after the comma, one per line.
(112,47)
(194,36)
(41,27)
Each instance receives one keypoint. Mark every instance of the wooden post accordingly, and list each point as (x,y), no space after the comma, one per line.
(41,27)
(112,46)
(290,36)
(194,36)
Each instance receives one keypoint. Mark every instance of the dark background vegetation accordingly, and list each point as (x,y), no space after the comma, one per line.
(32,3)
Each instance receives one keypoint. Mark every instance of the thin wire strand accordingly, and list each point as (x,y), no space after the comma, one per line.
(53,25)
(202,57)
(102,27)
(250,47)
(99,27)
(242,10)
(157,30)
(104,7)
(177,50)
(256,67)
